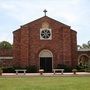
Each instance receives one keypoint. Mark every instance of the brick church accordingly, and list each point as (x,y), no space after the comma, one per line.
(45,43)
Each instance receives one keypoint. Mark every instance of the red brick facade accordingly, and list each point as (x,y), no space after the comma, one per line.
(27,43)
(6,53)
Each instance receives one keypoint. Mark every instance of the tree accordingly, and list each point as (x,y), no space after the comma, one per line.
(5,45)
(89,43)
(79,47)
(84,46)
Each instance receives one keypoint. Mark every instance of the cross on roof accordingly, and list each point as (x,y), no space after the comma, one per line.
(45,11)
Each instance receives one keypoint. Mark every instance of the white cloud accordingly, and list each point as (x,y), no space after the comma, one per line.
(72,12)
(75,1)
(69,16)
(22,10)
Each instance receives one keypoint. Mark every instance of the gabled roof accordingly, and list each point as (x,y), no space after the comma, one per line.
(46,18)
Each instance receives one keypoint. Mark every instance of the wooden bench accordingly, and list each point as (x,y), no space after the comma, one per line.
(54,70)
(20,70)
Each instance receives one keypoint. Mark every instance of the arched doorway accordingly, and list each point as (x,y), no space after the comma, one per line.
(46,58)
(84,60)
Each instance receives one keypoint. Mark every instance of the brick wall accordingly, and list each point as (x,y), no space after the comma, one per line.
(6,53)
(27,43)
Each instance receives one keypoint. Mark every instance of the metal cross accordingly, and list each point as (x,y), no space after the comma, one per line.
(45,11)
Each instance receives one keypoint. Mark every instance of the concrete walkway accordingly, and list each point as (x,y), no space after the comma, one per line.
(47,74)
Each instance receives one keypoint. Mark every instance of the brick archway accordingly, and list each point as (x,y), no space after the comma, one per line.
(46,60)
(84,59)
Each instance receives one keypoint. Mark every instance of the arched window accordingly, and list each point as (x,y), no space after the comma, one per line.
(83,60)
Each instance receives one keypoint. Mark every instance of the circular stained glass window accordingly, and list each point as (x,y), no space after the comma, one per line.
(45,34)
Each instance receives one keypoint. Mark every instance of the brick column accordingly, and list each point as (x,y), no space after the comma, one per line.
(24,46)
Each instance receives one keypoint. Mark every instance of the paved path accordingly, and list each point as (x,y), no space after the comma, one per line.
(47,74)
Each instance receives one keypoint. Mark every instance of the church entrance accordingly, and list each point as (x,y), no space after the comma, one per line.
(46,60)
(46,64)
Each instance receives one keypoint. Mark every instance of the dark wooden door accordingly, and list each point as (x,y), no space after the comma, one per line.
(46,64)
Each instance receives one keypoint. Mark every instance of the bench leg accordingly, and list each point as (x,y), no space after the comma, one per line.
(16,72)
(54,72)
(24,72)
(61,72)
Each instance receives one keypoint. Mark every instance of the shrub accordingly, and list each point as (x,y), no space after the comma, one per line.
(31,69)
(18,67)
(80,68)
(5,45)
(9,70)
(65,67)
(1,71)
(87,69)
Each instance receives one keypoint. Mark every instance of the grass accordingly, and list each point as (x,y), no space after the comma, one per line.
(45,83)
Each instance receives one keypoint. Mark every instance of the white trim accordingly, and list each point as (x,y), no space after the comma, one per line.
(83,49)
(45,53)
(6,57)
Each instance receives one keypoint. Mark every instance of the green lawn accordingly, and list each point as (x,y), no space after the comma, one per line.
(45,83)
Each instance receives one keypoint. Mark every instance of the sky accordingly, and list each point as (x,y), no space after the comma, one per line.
(15,13)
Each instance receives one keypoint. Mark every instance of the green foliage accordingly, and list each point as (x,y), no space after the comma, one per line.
(5,45)
(79,47)
(65,67)
(31,69)
(9,70)
(1,70)
(81,68)
(18,67)
(87,69)
(84,46)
